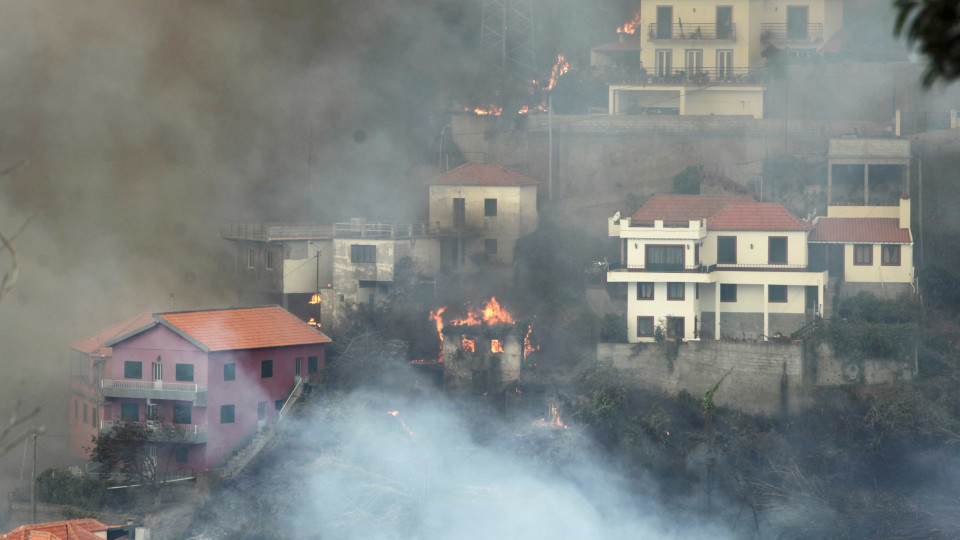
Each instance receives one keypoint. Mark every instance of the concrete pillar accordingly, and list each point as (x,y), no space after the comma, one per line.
(611,101)
(766,312)
(829,183)
(896,123)
(716,309)
(683,102)
(820,305)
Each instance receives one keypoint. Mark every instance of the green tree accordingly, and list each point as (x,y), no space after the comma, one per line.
(140,452)
(687,181)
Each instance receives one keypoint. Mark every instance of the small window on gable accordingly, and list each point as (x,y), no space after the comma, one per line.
(863,254)
(777,293)
(490,207)
(890,255)
(777,249)
(727,250)
(728,292)
(645,290)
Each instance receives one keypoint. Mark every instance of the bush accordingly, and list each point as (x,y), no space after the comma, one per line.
(613,328)
(60,486)
(688,181)
(868,308)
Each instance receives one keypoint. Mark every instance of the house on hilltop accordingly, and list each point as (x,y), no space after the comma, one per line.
(479,211)
(220,374)
(715,267)
(74,529)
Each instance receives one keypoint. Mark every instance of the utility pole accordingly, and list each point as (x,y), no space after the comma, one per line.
(33,484)
(550,146)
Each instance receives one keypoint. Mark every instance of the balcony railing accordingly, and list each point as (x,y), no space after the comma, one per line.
(663,267)
(692,77)
(666,267)
(182,433)
(195,392)
(362,229)
(791,32)
(726,266)
(695,30)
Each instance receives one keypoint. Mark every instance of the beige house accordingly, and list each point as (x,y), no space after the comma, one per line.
(480,210)
(706,57)
(715,266)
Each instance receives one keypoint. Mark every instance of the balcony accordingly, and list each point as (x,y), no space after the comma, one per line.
(731,76)
(380,230)
(774,267)
(812,32)
(695,30)
(172,433)
(177,391)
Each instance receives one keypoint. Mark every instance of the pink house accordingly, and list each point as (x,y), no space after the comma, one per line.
(221,374)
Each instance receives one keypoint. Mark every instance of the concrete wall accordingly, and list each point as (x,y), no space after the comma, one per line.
(834,371)
(878,272)
(300,274)
(764,378)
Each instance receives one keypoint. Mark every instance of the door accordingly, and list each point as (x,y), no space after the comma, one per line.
(459,213)
(724,64)
(724,22)
(664,22)
(812,302)
(157,374)
(797,19)
(297,366)
(694,63)
(835,260)
(664,62)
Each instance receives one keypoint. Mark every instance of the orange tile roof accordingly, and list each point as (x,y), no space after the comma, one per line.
(684,208)
(756,217)
(75,529)
(482,174)
(95,344)
(242,328)
(851,230)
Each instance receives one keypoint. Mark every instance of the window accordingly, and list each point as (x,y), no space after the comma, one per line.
(251,258)
(262,410)
(130,412)
(664,258)
(157,370)
(266,369)
(366,284)
(797,18)
(490,207)
(361,253)
(459,212)
(777,293)
(675,327)
(664,62)
(297,365)
(724,64)
(84,413)
(890,255)
(694,62)
(182,454)
(185,372)
(664,22)
(226,414)
(675,291)
(777,250)
(726,250)
(644,326)
(696,290)
(644,291)
(313,364)
(863,254)
(278,404)
(269,260)
(724,22)
(132,370)
(490,246)
(152,412)
(728,292)
(230,371)
(182,414)
(96,416)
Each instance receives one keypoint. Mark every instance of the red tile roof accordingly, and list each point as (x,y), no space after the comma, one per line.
(756,217)
(245,328)
(95,345)
(76,529)
(851,230)
(482,174)
(684,208)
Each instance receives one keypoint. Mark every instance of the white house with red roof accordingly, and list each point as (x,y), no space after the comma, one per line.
(219,374)
(715,266)
(480,210)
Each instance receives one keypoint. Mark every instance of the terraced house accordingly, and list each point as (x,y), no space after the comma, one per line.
(219,375)
(704,267)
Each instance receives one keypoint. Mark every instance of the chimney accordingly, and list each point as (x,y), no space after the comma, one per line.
(905,210)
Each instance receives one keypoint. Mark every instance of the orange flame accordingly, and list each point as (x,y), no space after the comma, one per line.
(492,111)
(402,423)
(524,110)
(491,313)
(496,346)
(554,420)
(528,346)
(313,322)
(315,299)
(630,27)
(559,70)
(436,317)
(466,344)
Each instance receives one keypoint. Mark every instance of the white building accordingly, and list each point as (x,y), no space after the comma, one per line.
(706,57)
(715,266)
(480,210)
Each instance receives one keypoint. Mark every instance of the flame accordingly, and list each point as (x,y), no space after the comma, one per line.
(524,110)
(559,70)
(528,346)
(491,313)
(466,344)
(393,413)
(492,111)
(313,322)
(554,420)
(496,346)
(315,299)
(402,423)
(436,317)
(630,27)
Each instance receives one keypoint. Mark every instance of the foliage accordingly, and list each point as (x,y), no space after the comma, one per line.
(931,26)
(687,181)
(128,449)
(866,307)
(613,328)
(941,287)
(60,486)
(870,340)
